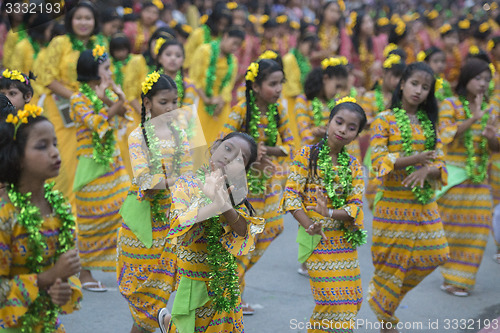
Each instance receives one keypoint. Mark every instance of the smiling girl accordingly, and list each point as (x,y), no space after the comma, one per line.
(407,157)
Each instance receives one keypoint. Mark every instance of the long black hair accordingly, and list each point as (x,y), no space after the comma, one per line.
(350,106)
(87,68)
(168,43)
(356,31)
(12,151)
(251,159)
(164,82)
(313,86)
(472,68)
(430,105)
(220,12)
(266,68)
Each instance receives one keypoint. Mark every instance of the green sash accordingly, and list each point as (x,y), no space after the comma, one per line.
(456,176)
(137,216)
(307,244)
(88,170)
(191,294)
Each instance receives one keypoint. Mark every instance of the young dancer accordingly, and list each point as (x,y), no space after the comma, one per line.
(407,157)
(324,193)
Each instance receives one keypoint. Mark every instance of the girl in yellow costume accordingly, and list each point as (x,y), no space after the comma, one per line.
(140,32)
(408,236)
(59,77)
(376,101)
(218,22)
(30,52)
(101,181)
(321,87)
(127,69)
(296,67)
(18,29)
(214,74)
(267,122)
(467,128)
(436,59)
(38,262)
(208,232)
(146,263)
(16,86)
(324,193)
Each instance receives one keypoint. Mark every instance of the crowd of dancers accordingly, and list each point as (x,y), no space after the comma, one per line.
(124,132)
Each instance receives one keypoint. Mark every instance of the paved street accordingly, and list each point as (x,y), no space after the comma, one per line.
(283,300)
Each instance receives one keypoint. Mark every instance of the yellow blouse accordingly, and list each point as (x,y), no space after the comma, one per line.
(305,119)
(18,287)
(292,86)
(134,73)
(195,40)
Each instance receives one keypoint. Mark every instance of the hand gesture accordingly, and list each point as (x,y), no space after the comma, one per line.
(427,157)
(477,113)
(213,181)
(417,178)
(60,292)
(316,229)
(490,131)
(67,265)
(261,150)
(321,205)
(118,90)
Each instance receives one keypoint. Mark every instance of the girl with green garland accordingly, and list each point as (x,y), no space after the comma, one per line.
(101,181)
(39,263)
(213,71)
(467,126)
(436,59)
(324,194)
(266,121)
(146,263)
(407,157)
(208,232)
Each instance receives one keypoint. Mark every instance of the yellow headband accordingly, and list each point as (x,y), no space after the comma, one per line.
(474,50)
(252,72)
(150,80)
(492,69)
(29,110)
(346,99)
(269,54)
(389,48)
(392,60)
(332,62)
(445,28)
(14,75)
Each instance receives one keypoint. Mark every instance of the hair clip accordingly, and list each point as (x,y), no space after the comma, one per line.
(29,110)
(150,80)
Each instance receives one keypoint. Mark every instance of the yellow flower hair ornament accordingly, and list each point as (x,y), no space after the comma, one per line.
(159,42)
(158,4)
(173,24)
(99,53)
(295,25)
(393,59)
(127,11)
(203,19)
(252,72)
(346,99)
(187,28)
(492,69)
(150,80)
(352,22)
(483,27)
(464,24)
(269,54)
(22,116)
(334,61)
(389,48)
(282,19)
(383,21)
(400,27)
(491,45)
(264,19)
(14,75)
(445,28)
(231,5)
(433,14)
(252,18)
(341,4)
(421,56)
(474,50)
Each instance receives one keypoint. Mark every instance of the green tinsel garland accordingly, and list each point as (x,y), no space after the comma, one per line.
(224,282)
(103,148)
(379,99)
(211,73)
(325,163)
(179,82)
(118,69)
(472,163)
(42,311)
(257,184)
(78,45)
(304,64)
(426,194)
(317,108)
(35,45)
(207,35)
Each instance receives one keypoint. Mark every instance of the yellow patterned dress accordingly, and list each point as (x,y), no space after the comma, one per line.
(198,74)
(18,287)
(146,272)
(408,237)
(291,89)
(266,204)
(466,208)
(494,176)
(369,104)
(98,201)
(190,241)
(333,265)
